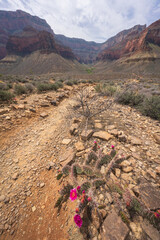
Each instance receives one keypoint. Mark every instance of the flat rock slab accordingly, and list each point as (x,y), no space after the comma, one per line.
(67,157)
(135,140)
(102,135)
(149,195)
(79,146)
(114,228)
(66,141)
(44,115)
(150,231)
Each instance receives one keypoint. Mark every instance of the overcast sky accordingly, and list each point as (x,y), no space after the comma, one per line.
(92,20)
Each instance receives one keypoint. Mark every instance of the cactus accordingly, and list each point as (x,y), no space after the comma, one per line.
(91,156)
(66,189)
(98,174)
(59,176)
(98,182)
(116,188)
(88,171)
(103,160)
(66,170)
(73,172)
(113,153)
(79,170)
(85,186)
(95,147)
(58,202)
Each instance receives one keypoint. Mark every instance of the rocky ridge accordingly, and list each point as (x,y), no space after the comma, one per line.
(32,157)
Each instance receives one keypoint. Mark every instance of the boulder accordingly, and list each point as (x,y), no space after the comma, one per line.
(114,228)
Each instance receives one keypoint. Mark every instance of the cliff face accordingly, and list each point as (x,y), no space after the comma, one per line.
(31,40)
(13,22)
(85,51)
(133,42)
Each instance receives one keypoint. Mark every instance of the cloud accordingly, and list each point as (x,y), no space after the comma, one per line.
(90,19)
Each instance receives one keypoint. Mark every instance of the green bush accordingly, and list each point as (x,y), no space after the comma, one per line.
(5,95)
(20,89)
(151,107)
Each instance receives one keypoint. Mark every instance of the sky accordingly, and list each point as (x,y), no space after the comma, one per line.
(92,20)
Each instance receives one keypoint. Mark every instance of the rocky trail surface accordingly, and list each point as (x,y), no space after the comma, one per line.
(36,135)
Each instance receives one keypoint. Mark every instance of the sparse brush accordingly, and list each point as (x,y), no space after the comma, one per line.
(66,170)
(124,217)
(98,182)
(91,156)
(58,202)
(127,197)
(88,171)
(117,201)
(85,186)
(103,160)
(135,204)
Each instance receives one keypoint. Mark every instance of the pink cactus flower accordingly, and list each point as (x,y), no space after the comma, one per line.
(89,199)
(78,188)
(73,194)
(113,146)
(78,220)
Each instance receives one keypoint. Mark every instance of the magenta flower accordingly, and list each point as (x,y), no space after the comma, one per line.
(95,142)
(112,146)
(78,220)
(83,191)
(73,194)
(78,187)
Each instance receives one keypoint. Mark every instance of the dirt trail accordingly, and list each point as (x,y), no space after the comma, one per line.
(26,151)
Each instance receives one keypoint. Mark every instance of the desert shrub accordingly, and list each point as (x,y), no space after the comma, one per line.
(20,89)
(29,87)
(129,98)
(151,107)
(108,90)
(69,82)
(59,84)
(3,86)
(5,95)
(41,87)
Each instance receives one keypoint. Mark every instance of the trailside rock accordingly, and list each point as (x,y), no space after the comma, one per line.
(67,157)
(79,146)
(114,228)
(157,138)
(44,115)
(102,135)
(150,195)
(86,134)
